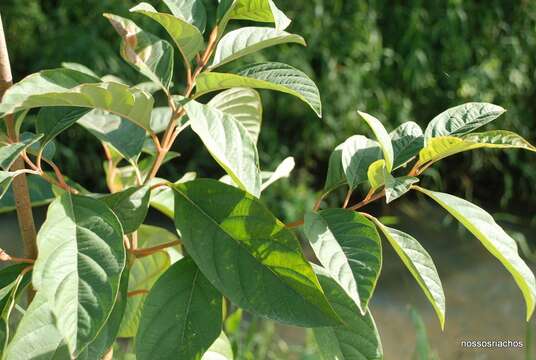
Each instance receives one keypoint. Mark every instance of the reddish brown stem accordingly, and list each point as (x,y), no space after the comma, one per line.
(137,292)
(139,253)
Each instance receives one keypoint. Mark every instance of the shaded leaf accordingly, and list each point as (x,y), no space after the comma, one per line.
(9,153)
(51,121)
(163,198)
(40,194)
(247,254)
(271,76)
(349,247)
(130,206)
(407,140)
(181,316)
(395,187)
(6,178)
(358,153)
(383,138)
(254,10)
(335,176)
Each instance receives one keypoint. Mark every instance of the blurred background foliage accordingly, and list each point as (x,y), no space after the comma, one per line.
(399,60)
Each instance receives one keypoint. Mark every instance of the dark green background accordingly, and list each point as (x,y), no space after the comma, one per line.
(399,60)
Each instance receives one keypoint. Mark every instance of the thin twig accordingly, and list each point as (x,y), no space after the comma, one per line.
(137,292)
(139,253)
(347,198)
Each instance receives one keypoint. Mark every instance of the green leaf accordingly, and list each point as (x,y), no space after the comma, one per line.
(383,138)
(254,10)
(163,198)
(80,68)
(62,87)
(160,118)
(377,174)
(462,119)
(191,11)
(81,257)
(248,40)
(247,254)
(271,76)
(148,54)
(181,317)
(407,140)
(9,153)
(107,335)
(51,121)
(40,194)
(357,338)
(221,349)
(335,176)
(358,153)
(283,170)
(124,136)
(420,265)
(6,178)
(348,245)
(145,272)
(187,37)
(130,206)
(395,187)
(37,337)
(441,147)
(493,237)
(229,144)
(244,105)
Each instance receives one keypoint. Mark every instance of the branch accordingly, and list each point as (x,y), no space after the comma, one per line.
(4,256)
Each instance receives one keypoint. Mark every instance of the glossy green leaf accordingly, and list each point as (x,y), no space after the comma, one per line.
(283,170)
(254,10)
(148,54)
(358,153)
(348,245)
(244,105)
(383,138)
(357,338)
(229,143)
(145,272)
(221,349)
(130,206)
(248,40)
(11,151)
(494,239)
(186,36)
(163,198)
(37,337)
(62,87)
(181,316)
(407,140)
(247,254)
(395,187)
(81,257)
(441,147)
(191,11)
(51,121)
(335,176)
(462,119)
(271,76)
(107,335)
(420,265)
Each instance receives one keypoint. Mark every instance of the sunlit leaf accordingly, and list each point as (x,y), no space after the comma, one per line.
(283,170)
(383,138)
(221,349)
(358,153)
(254,10)
(11,151)
(407,140)
(191,11)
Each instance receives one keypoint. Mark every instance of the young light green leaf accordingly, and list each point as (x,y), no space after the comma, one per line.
(248,255)
(377,174)
(357,338)
(383,138)
(244,105)
(124,136)
(10,152)
(187,37)
(145,272)
(441,147)
(358,153)
(81,257)
(271,76)
(192,319)
(51,121)
(61,87)
(349,247)
(254,10)
(130,206)
(493,237)
(229,144)
(462,119)
(395,187)
(335,176)
(107,335)
(248,40)
(221,349)
(407,140)
(191,11)
(283,170)
(419,264)
(148,54)
(37,337)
